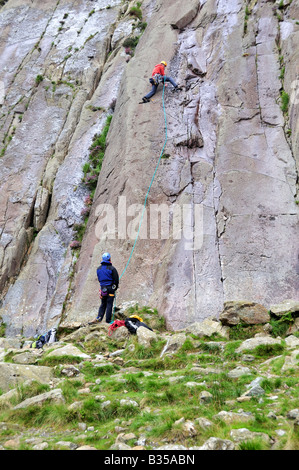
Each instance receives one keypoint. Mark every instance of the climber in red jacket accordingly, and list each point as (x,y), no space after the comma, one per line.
(158,76)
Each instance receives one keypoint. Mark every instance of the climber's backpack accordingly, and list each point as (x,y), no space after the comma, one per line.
(132,324)
(39,342)
(49,337)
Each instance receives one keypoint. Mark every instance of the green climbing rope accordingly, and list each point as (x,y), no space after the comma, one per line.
(145,200)
(156,169)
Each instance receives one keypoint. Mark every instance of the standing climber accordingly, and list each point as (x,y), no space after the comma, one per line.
(109,280)
(158,76)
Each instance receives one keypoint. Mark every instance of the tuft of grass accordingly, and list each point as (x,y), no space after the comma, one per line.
(131,42)
(2,329)
(39,79)
(267,350)
(253,444)
(284,101)
(53,361)
(48,415)
(242,331)
(282,324)
(136,11)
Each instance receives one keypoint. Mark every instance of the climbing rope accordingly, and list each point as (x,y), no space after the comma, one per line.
(149,188)
(156,169)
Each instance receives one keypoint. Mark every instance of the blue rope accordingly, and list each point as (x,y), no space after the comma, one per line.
(144,206)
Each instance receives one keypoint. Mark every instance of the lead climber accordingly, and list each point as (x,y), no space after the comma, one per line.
(158,76)
(109,280)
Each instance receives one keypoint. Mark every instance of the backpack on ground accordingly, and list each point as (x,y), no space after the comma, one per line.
(39,342)
(133,323)
(49,337)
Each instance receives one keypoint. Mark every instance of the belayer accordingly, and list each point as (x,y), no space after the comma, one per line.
(158,76)
(109,280)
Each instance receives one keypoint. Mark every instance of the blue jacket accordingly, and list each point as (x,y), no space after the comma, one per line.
(107,275)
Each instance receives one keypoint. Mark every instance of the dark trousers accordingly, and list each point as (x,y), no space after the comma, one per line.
(154,87)
(106,306)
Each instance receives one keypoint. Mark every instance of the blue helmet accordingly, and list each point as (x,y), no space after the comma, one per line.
(106,257)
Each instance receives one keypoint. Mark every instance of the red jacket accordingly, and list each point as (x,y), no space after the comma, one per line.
(159,68)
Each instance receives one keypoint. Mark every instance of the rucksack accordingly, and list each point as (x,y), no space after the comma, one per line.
(39,342)
(49,337)
(133,323)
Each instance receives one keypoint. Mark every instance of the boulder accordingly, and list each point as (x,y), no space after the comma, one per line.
(292,361)
(146,336)
(55,396)
(68,350)
(214,443)
(205,397)
(208,328)
(255,391)
(292,342)
(28,357)
(120,334)
(250,313)
(230,417)
(12,375)
(174,343)
(238,372)
(252,343)
(243,434)
(7,343)
(285,307)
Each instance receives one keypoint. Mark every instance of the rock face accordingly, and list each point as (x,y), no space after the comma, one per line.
(227,182)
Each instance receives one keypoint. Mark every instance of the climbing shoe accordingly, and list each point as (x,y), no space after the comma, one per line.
(95,321)
(145,100)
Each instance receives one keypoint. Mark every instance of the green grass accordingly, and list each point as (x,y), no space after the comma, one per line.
(267,350)
(159,386)
(282,324)
(284,101)
(46,415)
(131,42)
(53,361)
(254,444)
(39,79)
(136,11)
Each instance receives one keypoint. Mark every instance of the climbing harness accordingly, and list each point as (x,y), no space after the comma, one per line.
(145,200)
(156,79)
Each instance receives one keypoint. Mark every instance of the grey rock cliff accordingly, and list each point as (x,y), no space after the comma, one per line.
(232,154)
